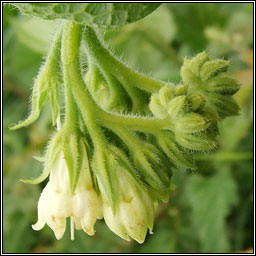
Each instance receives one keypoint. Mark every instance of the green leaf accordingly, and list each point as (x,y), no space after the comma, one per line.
(211,200)
(106,15)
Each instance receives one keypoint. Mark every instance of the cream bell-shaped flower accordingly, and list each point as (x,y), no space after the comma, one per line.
(135,211)
(85,203)
(57,202)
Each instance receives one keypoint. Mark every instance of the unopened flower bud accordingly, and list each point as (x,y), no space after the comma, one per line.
(213,84)
(165,94)
(223,84)
(196,102)
(180,89)
(209,111)
(190,123)
(157,108)
(213,129)
(195,141)
(190,71)
(150,161)
(212,68)
(225,105)
(177,106)
(178,156)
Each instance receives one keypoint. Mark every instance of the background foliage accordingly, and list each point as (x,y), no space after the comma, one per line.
(211,210)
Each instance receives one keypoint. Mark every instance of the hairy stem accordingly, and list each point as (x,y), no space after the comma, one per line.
(125,74)
(73,78)
(146,124)
(89,109)
(71,117)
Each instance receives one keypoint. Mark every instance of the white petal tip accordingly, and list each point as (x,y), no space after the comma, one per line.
(37,226)
(59,233)
(58,236)
(89,232)
(140,241)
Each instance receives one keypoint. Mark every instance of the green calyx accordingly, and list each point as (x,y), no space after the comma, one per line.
(119,120)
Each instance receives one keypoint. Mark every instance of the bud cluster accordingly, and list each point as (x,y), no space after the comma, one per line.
(194,107)
(188,126)
(209,78)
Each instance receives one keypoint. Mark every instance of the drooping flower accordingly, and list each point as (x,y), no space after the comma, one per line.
(57,202)
(134,214)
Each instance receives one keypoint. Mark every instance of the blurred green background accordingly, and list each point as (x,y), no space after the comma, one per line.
(211,210)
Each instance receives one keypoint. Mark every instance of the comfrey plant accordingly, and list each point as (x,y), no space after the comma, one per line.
(123,133)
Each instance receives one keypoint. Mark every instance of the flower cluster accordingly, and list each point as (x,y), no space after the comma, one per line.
(86,202)
(188,126)
(209,79)
(57,202)
(122,134)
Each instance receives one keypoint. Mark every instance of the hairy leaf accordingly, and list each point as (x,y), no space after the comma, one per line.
(106,15)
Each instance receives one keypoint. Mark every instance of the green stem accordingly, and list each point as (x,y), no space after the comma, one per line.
(71,69)
(89,109)
(146,124)
(125,74)
(71,114)
(71,117)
